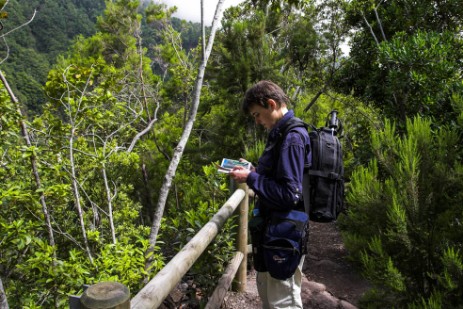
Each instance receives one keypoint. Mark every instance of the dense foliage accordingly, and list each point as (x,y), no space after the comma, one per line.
(405,57)
(404,220)
(405,231)
(108,88)
(77,199)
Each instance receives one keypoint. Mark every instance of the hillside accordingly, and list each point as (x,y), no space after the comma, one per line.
(31,50)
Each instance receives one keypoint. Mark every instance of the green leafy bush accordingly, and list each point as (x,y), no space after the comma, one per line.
(404,219)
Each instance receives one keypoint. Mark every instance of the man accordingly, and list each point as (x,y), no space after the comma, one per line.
(277,180)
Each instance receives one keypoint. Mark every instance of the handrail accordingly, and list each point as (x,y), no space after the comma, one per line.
(154,293)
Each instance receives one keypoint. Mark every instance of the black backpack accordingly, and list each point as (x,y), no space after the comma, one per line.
(323,184)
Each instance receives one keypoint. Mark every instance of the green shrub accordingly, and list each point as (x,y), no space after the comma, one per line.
(404,219)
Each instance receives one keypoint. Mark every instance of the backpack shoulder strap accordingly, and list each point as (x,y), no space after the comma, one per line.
(292,123)
(287,127)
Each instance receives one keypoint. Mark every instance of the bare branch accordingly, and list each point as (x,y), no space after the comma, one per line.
(144,131)
(19,27)
(75,191)
(379,22)
(73,172)
(110,204)
(4,5)
(371,29)
(7,51)
(33,159)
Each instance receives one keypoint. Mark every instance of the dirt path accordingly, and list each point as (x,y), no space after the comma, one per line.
(330,282)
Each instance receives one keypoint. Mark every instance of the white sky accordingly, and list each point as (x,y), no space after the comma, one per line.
(191,9)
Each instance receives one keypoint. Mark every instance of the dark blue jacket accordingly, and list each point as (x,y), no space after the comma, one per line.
(277,180)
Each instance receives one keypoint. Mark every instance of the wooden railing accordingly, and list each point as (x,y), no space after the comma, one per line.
(153,294)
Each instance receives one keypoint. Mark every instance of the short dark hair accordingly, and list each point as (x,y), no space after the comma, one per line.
(261,92)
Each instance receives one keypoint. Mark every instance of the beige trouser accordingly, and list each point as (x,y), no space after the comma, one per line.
(279,294)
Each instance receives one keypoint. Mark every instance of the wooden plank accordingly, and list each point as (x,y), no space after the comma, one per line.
(224,284)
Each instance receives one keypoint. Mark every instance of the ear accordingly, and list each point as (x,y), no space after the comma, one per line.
(272,104)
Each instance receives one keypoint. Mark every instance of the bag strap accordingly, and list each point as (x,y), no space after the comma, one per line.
(289,125)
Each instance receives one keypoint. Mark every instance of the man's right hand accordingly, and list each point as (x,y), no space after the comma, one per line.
(240,174)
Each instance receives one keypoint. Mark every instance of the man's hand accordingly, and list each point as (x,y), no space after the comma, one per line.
(240,174)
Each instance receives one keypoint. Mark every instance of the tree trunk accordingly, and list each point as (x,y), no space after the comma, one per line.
(33,159)
(110,204)
(203,31)
(75,191)
(3,300)
(178,151)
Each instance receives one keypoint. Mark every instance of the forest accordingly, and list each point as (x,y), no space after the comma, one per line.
(113,113)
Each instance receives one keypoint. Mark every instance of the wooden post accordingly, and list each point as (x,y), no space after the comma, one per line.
(106,295)
(243,239)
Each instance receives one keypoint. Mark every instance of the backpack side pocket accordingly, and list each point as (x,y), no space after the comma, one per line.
(284,243)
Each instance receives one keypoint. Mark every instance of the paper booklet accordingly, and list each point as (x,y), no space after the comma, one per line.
(228,164)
